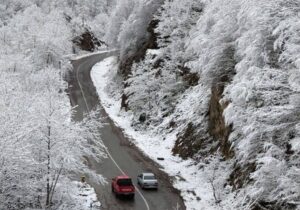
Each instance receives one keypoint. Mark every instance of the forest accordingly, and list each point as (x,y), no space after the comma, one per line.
(219,79)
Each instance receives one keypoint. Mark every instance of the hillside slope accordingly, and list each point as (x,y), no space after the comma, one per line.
(223,78)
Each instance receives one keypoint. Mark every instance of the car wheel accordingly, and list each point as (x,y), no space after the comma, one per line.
(112,189)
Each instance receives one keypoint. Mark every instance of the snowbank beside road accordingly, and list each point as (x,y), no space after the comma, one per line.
(195,184)
(86,195)
(79,195)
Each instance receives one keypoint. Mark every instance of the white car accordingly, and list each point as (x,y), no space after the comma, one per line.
(147,180)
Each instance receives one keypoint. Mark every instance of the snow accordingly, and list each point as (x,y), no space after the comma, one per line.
(189,178)
(78,195)
(74,57)
(86,195)
(295,144)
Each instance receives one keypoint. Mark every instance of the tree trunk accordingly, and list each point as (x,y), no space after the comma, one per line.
(55,182)
(48,168)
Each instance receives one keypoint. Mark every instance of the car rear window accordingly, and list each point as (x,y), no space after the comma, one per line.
(124,182)
(149,177)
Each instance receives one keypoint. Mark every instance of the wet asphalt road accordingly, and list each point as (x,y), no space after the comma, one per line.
(127,156)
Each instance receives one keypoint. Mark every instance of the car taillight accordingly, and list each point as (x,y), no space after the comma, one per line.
(127,189)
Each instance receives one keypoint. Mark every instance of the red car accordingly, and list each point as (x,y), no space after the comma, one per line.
(122,185)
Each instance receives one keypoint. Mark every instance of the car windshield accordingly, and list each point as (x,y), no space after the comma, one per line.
(124,182)
(149,177)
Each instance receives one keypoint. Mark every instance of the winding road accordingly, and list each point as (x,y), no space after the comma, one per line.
(123,156)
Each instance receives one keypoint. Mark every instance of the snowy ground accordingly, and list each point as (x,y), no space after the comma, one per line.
(193,181)
(87,196)
(83,197)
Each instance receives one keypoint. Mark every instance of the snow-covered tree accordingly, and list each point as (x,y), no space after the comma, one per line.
(128,26)
(41,147)
(244,59)
(61,143)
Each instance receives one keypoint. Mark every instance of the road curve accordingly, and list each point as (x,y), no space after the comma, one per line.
(124,157)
